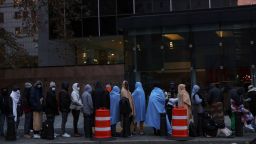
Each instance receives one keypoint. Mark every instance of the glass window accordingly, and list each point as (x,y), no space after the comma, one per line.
(107,7)
(1,17)
(179,5)
(200,4)
(100,50)
(246,2)
(161,5)
(73,8)
(124,7)
(143,6)
(108,25)
(89,8)
(223,3)
(90,26)
(75,28)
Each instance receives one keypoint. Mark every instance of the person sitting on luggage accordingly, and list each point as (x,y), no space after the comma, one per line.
(51,107)
(87,110)
(215,101)
(237,106)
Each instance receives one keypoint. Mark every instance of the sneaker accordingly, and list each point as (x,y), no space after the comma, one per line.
(66,135)
(249,127)
(36,136)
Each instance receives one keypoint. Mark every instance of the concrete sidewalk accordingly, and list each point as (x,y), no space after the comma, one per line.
(147,139)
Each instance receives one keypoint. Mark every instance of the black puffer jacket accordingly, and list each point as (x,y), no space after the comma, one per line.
(51,107)
(7,102)
(64,98)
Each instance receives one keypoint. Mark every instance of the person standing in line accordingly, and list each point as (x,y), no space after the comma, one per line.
(3,94)
(16,106)
(184,100)
(114,108)
(87,110)
(252,100)
(156,106)
(197,109)
(51,108)
(64,104)
(76,105)
(126,93)
(36,100)
(27,110)
(140,107)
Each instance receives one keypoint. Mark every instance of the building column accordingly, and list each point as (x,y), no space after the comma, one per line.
(193,76)
(253,75)
(135,61)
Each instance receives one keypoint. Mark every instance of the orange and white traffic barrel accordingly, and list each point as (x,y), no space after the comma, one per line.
(179,122)
(102,124)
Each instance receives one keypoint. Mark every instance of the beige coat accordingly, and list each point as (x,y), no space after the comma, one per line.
(184,100)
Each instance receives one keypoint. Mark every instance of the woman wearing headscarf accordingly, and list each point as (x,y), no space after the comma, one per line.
(156,106)
(127,94)
(114,108)
(16,103)
(87,110)
(184,100)
(36,100)
(140,106)
(76,105)
(197,109)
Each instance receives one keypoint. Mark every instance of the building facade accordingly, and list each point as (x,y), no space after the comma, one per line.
(187,41)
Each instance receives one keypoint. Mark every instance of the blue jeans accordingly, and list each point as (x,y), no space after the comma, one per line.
(2,119)
(28,121)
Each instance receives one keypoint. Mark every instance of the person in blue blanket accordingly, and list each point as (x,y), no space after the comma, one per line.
(114,108)
(140,106)
(156,106)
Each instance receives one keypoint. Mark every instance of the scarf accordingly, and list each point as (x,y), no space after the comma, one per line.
(15,95)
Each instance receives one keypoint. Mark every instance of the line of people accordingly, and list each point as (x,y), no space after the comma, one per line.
(33,103)
(125,107)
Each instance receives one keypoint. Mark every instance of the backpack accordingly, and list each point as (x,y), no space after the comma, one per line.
(203,103)
(124,105)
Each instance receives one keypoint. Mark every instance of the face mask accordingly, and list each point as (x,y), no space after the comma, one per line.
(39,86)
(53,88)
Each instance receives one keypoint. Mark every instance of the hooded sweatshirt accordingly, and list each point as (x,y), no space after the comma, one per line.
(87,100)
(64,98)
(196,100)
(76,102)
(114,105)
(139,102)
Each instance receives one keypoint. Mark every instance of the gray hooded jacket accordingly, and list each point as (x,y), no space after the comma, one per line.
(87,100)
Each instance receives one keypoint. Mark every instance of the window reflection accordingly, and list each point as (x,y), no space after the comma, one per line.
(103,50)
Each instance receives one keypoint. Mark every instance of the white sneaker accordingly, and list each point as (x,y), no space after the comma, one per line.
(36,136)
(66,135)
(249,127)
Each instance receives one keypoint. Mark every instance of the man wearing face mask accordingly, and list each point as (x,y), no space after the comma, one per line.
(51,107)
(36,100)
